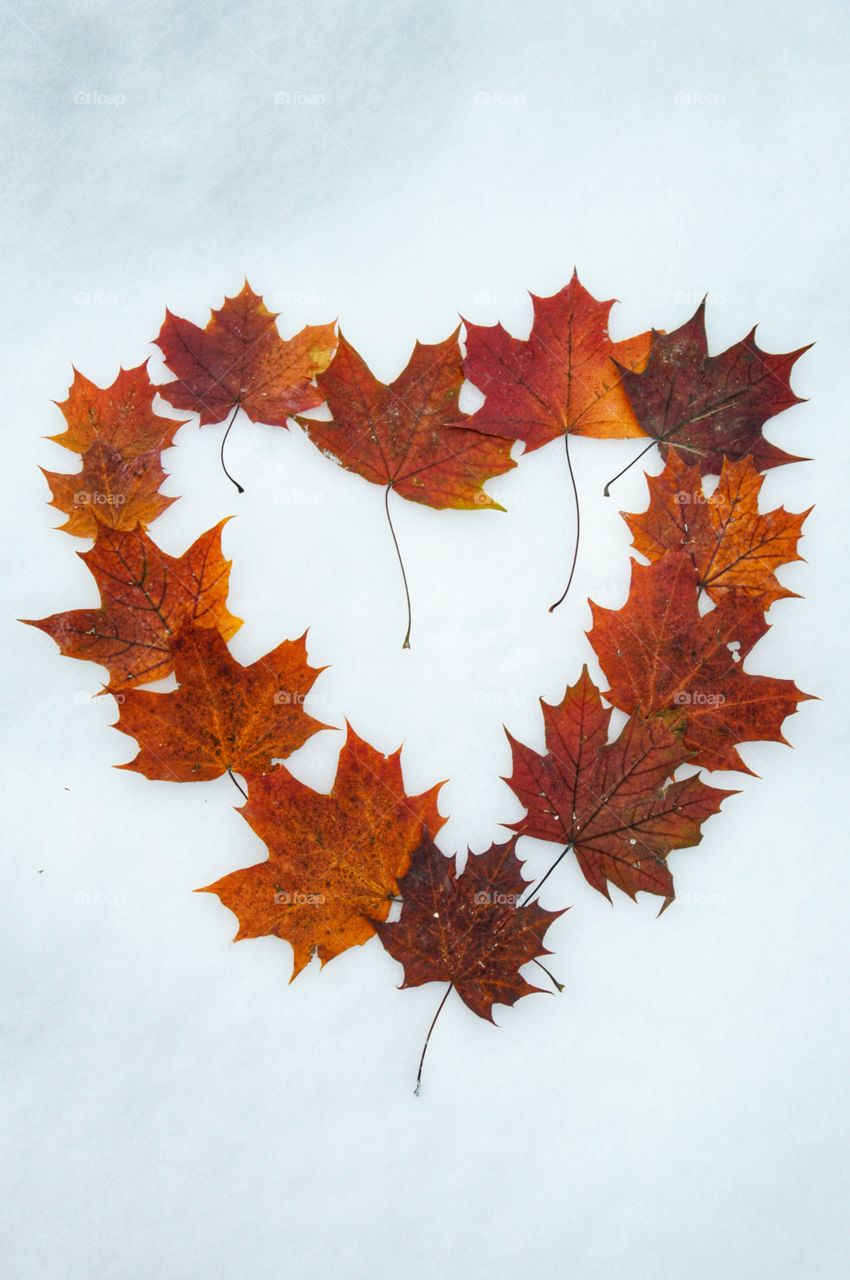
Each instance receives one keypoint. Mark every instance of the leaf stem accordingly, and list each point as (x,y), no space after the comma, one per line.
(549,975)
(237,785)
(406,644)
(563,597)
(221,452)
(428,1037)
(629,465)
(540,883)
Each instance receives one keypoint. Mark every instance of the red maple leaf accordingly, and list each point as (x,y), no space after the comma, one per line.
(611,803)
(239,361)
(565,379)
(410,436)
(660,654)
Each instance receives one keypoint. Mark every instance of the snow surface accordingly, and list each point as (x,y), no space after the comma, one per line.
(172,1108)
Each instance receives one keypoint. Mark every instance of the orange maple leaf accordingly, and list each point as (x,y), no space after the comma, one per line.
(109,490)
(223,717)
(146,596)
(120,415)
(734,548)
(334,860)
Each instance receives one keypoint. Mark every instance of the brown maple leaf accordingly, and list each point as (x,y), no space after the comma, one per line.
(735,549)
(120,415)
(565,379)
(611,803)
(223,717)
(469,930)
(334,860)
(239,361)
(409,436)
(661,655)
(146,596)
(109,490)
(710,407)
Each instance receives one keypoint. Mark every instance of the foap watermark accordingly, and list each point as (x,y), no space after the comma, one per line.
(488,898)
(297,898)
(698,698)
(693,98)
(303,498)
(290,698)
(497,98)
(94,98)
(292,298)
(86,498)
(98,298)
(698,898)
(684,298)
(498,699)
(685,499)
(95,898)
(296,98)
(486,298)
(83,695)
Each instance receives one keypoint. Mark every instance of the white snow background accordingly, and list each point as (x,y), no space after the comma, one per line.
(172,1108)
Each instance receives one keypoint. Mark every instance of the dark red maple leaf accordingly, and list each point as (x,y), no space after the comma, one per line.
(610,802)
(472,931)
(711,407)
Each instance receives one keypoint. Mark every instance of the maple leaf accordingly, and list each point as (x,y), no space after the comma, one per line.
(120,415)
(610,802)
(469,930)
(334,860)
(660,654)
(239,361)
(223,717)
(408,436)
(109,490)
(146,596)
(734,548)
(711,407)
(562,379)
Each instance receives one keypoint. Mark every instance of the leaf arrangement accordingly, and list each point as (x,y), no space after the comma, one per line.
(361,860)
